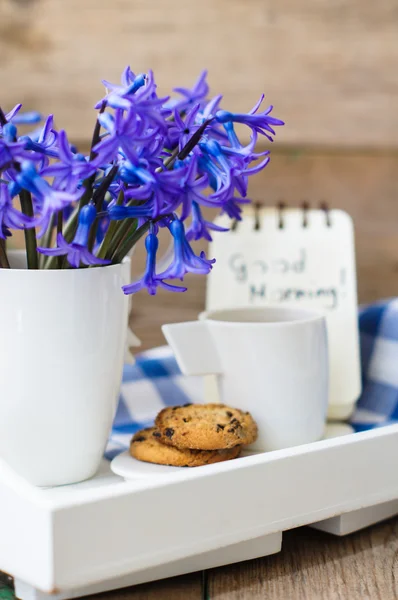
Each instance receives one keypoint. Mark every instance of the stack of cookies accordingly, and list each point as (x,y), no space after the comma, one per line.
(194,435)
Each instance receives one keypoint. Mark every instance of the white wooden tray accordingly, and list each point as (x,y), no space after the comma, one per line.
(110,532)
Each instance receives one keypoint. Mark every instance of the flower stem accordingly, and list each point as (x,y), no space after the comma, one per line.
(47,241)
(129,242)
(60,222)
(96,132)
(169,160)
(100,192)
(125,228)
(30,234)
(4,264)
(113,225)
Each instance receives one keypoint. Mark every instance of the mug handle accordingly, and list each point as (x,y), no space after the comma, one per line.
(193,347)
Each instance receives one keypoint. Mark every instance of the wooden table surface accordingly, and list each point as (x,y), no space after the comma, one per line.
(312,565)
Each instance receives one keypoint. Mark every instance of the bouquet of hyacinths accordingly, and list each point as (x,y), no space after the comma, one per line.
(154,163)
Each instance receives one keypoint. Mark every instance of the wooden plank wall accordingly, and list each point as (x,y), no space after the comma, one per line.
(330,69)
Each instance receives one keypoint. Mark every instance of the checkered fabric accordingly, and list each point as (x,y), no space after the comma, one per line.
(155,381)
(151,383)
(378,404)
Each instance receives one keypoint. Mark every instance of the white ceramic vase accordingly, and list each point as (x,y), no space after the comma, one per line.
(63,336)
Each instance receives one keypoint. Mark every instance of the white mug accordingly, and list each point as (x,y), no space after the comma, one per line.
(271,361)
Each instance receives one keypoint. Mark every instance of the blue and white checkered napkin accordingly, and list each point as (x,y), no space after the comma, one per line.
(155,381)
(378,404)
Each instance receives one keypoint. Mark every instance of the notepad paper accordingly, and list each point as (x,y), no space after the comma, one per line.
(296,258)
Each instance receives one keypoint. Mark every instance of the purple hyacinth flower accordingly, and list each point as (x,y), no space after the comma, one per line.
(209,111)
(200,228)
(27,118)
(77,251)
(150,280)
(230,169)
(261,122)
(163,188)
(43,142)
(119,96)
(190,96)
(11,150)
(231,207)
(117,213)
(46,199)
(125,130)
(194,183)
(72,166)
(180,131)
(10,217)
(185,260)
(237,149)
(218,166)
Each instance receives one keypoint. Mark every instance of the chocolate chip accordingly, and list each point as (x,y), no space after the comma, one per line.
(157,434)
(140,438)
(232,430)
(169,432)
(185,420)
(236,423)
(220,427)
(229,414)
(188,404)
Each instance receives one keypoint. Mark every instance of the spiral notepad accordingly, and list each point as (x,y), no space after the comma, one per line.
(296,257)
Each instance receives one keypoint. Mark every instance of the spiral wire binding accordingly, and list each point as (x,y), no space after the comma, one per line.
(306,207)
(281,206)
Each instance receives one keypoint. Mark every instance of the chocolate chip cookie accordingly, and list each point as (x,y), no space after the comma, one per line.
(146,446)
(205,427)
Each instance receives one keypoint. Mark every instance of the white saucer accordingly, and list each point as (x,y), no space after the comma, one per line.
(130,468)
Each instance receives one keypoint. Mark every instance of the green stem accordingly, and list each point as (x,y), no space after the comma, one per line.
(100,192)
(113,225)
(47,241)
(170,160)
(30,234)
(60,222)
(4,264)
(130,241)
(123,228)
(96,133)
(126,227)
(71,226)
(68,233)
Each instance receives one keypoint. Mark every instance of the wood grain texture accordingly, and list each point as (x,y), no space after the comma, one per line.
(317,566)
(330,68)
(187,587)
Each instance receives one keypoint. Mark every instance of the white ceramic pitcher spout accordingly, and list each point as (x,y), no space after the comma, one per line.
(194,347)
(272,362)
